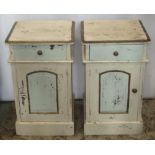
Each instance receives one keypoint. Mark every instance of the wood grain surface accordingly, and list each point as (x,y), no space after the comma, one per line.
(47,31)
(113,31)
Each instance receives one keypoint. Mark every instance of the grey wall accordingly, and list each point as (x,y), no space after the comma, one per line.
(6,21)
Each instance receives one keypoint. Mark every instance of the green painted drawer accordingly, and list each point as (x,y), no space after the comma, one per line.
(100,52)
(39,52)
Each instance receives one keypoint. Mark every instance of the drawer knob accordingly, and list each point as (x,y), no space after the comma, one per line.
(115,53)
(52,47)
(39,52)
(134,90)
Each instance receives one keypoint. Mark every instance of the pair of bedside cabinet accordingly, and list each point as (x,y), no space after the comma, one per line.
(41,56)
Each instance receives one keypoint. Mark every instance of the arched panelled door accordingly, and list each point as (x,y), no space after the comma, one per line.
(114,91)
(42,92)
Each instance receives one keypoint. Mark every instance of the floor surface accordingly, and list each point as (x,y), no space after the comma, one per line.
(8,117)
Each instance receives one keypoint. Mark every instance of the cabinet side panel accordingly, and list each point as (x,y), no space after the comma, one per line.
(70,96)
(16,93)
(88,90)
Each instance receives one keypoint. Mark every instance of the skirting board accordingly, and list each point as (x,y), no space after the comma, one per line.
(113,128)
(45,128)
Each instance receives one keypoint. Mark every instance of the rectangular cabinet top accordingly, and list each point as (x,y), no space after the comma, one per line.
(45,31)
(104,31)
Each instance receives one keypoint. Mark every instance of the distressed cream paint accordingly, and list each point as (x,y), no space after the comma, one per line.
(41,60)
(114,53)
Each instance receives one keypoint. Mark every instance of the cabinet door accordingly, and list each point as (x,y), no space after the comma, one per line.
(44,92)
(111,95)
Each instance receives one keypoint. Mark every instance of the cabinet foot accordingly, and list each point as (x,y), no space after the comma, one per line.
(44,128)
(113,128)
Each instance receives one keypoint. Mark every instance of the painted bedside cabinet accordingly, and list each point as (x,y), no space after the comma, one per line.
(114,53)
(41,60)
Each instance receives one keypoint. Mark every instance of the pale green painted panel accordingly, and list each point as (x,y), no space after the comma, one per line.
(42,89)
(114,87)
(49,52)
(125,52)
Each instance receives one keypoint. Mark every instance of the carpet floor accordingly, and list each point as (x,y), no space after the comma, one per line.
(8,117)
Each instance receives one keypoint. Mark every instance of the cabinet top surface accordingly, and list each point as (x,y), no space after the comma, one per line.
(113,31)
(52,31)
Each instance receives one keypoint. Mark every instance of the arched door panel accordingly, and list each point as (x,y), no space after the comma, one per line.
(42,92)
(114,92)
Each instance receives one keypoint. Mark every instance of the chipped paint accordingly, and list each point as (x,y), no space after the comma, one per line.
(114,92)
(43,94)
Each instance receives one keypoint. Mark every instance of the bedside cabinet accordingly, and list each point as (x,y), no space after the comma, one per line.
(114,53)
(41,61)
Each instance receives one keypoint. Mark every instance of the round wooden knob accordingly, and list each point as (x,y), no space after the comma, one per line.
(115,53)
(134,90)
(39,52)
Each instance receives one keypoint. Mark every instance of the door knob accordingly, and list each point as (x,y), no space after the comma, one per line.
(134,90)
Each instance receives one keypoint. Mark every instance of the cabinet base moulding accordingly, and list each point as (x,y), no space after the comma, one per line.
(45,128)
(113,128)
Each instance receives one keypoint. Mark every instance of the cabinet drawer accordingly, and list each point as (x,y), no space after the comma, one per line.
(39,52)
(116,52)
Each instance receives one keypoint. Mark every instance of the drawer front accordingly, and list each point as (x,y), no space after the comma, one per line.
(39,52)
(116,52)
